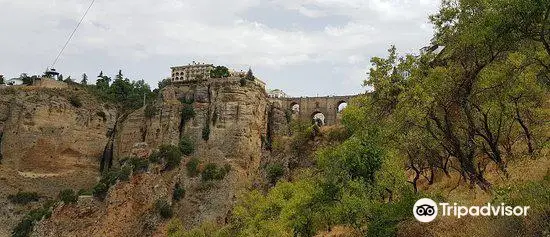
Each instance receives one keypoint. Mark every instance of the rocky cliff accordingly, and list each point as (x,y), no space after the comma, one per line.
(229,128)
(50,140)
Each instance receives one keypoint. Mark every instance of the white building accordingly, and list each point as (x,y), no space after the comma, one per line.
(195,71)
(277,93)
(14,82)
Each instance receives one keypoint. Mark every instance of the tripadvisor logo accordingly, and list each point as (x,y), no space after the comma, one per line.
(426,210)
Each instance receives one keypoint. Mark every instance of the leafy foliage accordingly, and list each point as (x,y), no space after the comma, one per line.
(249,75)
(187,146)
(24,228)
(164,209)
(193,167)
(213,172)
(24,198)
(219,72)
(274,172)
(179,192)
(171,156)
(68,196)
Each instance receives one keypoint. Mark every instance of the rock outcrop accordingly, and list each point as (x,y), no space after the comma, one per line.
(48,143)
(229,128)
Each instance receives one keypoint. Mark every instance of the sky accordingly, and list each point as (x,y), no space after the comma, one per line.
(304,47)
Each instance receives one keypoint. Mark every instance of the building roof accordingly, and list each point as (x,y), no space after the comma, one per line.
(192,66)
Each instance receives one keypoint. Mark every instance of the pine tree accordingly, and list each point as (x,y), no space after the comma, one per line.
(250,75)
(84,79)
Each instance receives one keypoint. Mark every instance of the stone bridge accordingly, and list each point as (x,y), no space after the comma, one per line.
(306,108)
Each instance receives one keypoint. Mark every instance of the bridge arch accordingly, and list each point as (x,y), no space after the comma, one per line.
(341,105)
(295,107)
(318,118)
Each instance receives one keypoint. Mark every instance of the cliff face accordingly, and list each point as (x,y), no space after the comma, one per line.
(47,144)
(236,117)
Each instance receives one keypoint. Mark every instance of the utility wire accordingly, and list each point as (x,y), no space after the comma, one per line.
(72,34)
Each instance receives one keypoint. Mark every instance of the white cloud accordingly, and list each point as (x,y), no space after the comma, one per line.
(129,33)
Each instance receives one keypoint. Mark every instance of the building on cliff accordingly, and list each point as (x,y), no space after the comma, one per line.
(191,72)
(277,93)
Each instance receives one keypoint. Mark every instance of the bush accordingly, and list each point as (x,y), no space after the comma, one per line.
(68,196)
(100,190)
(179,192)
(243,81)
(213,172)
(171,155)
(124,173)
(24,228)
(193,167)
(206,131)
(75,101)
(187,113)
(155,157)
(150,110)
(187,147)
(274,172)
(164,209)
(24,197)
(138,164)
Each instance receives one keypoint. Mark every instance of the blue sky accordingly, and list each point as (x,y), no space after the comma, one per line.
(304,47)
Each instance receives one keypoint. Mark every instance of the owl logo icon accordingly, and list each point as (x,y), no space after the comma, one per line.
(425,210)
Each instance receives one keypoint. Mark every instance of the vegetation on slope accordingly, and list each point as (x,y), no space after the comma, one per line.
(472,102)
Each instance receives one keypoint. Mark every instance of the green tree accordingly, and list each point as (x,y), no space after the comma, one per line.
(219,72)
(84,80)
(249,75)
(1,79)
(187,146)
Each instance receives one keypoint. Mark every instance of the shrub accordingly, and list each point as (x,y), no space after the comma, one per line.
(24,228)
(187,113)
(68,196)
(213,172)
(100,190)
(138,164)
(155,157)
(75,101)
(164,209)
(274,172)
(206,131)
(179,192)
(124,173)
(171,155)
(243,81)
(150,110)
(186,146)
(24,197)
(193,167)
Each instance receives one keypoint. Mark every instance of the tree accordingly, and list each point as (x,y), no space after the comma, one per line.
(1,79)
(219,72)
(164,83)
(60,77)
(119,75)
(249,75)
(84,79)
